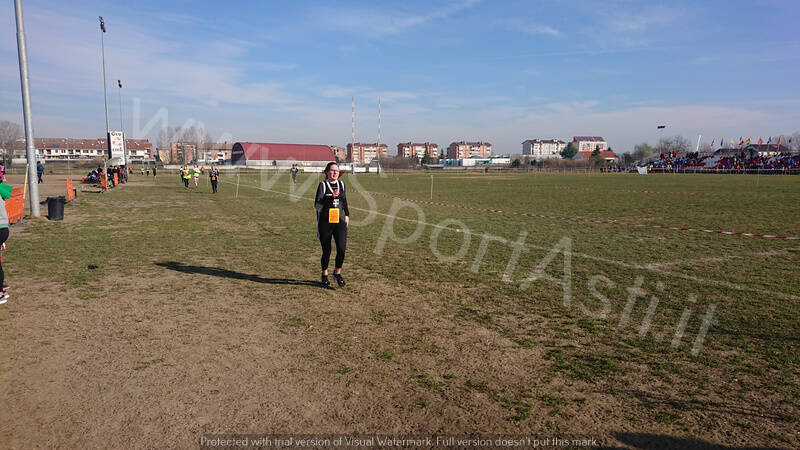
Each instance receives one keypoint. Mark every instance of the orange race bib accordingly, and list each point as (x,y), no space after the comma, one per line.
(333,215)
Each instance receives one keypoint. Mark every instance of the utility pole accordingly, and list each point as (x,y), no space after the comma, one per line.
(33,186)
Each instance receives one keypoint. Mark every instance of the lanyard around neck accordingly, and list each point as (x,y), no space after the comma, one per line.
(331,187)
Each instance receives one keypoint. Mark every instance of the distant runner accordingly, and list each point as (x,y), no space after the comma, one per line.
(196,174)
(294,173)
(185,175)
(213,175)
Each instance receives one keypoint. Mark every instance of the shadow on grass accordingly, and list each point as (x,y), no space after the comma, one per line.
(658,441)
(214,271)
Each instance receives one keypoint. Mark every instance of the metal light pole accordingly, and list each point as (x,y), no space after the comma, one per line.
(33,186)
(121,128)
(105,89)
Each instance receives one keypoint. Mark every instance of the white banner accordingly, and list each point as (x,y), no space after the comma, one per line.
(116,145)
(642,170)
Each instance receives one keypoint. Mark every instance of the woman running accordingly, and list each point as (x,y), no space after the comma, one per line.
(330,203)
(185,175)
(196,174)
(213,175)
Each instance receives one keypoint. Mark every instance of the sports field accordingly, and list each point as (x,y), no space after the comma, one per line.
(605,306)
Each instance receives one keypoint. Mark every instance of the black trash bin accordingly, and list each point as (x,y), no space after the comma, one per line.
(55,208)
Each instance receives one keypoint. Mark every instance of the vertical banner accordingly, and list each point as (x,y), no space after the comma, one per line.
(116,145)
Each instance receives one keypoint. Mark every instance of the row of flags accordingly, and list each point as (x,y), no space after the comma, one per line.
(746,142)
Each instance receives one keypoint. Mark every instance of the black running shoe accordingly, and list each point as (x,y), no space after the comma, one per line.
(325,281)
(339,279)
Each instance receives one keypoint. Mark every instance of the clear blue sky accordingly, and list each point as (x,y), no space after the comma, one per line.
(499,71)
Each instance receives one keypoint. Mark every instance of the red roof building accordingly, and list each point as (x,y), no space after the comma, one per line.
(271,154)
(607,155)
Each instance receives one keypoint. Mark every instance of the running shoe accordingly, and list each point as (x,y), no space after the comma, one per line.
(325,281)
(3,297)
(339,279)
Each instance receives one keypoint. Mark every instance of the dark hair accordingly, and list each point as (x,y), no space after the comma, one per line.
(328,166)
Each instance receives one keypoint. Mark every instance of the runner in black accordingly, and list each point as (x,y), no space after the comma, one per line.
(213,175)
(333,219)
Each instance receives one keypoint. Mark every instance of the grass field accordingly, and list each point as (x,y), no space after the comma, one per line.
(203,314)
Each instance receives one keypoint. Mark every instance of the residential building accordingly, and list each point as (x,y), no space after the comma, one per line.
(590,143)
(362,153)
(63,149)
(543,148)
(339,152)
(417,150)
(214,152)
(607,155)
(464,149)
(181,152)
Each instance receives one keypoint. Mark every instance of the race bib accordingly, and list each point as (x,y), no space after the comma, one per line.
(333,215)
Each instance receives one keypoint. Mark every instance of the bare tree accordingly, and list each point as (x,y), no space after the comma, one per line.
(794,145)
(677,144)
(9,133)
(643,151)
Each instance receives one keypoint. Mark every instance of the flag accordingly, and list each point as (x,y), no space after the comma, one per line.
(731,142)
(721,142)
(760,141)
(712,143)
(747,142)
(741,140)
(779,141)
(769,141)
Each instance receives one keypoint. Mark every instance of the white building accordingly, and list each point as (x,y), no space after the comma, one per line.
(543,148)
(590,143)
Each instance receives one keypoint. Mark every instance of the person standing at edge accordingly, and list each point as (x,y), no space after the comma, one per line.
(213,175)
(294,173)
(330,202)
(39,171)
(3,237)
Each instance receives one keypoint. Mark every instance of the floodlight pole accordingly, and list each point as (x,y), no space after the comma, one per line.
(105,88)
(105,96)
(33,186)
(124,147)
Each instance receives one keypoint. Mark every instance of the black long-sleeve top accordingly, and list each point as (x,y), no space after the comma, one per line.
(324,200)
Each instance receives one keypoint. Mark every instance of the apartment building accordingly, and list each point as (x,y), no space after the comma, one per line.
(417,150)
(362,153)
(590,143)
(543,148)
(464,149)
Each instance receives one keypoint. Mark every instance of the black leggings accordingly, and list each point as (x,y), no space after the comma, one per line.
(3,238)
(339,233)
(214,186)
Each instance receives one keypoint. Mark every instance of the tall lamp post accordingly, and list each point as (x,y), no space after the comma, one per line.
(124,147)
(105,89)
(33,186)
